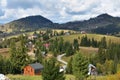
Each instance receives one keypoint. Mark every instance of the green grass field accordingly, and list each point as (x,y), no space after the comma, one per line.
(95,36)
(86,51)
(68,77)
(22,77)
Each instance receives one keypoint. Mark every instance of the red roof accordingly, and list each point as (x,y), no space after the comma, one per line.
(46,45)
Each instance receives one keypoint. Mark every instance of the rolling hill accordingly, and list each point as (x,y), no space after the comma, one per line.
(102,24)
(27,23)
(97,37)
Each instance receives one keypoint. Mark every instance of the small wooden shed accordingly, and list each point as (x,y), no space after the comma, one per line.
(33,69)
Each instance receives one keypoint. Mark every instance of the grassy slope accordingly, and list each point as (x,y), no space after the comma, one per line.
(95,36)
(30,33)
(22,77)
(68,77)
(86,51)
(4,52)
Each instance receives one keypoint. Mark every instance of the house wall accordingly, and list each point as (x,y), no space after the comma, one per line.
(28,70)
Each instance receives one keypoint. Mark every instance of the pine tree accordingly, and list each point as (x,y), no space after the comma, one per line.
(39,57)
(69,67)
(101,56)
(76,44)
(108,66)
(19,57)
(69,50)
(85,41)
(5,66)
(80,66)
(103,42)
(51,71)
(60,45)
(94,43)
(115,64)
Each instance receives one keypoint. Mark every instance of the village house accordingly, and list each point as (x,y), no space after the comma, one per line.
(33,69)
(92,70)
(44,53)
(30,46)
(67,33)
(83,32)
(46,45)
(31,37)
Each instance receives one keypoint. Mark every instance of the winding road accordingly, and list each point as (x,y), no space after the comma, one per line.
(59,58)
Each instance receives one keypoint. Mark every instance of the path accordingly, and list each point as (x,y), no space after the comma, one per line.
(59,58)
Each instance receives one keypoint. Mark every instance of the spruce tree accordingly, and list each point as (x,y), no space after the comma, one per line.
(101,56)
(69,50)
(115,64)
(80,66)
(51,71)
(76,44)
(69,67)
(103,42)
(39,57)
(60,45)
(19,57)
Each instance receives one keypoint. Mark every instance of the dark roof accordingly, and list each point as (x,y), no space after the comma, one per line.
(36,66)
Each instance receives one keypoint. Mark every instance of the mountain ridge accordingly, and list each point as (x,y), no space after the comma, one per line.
(28,23)
(96,24)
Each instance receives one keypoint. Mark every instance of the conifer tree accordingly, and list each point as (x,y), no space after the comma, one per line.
(115,64)
(103,42)
(39,57)
(76,44)
(19,57)
(69,67)
(51,71)
(60,45)
(101,56)
(69,50)
(80,66)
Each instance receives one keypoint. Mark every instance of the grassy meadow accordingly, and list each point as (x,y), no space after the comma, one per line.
(86,51)
(68,77)
(22,77)
(5,52)
(90,36)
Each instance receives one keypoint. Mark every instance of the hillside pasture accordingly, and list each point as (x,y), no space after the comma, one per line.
(39,77)
(85,51)
(68,77)
(59,30)
(4,52)
(97,37)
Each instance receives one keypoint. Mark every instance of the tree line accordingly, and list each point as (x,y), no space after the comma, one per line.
(108,58)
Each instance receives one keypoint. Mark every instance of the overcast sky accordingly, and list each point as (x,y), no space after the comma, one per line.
(59,11)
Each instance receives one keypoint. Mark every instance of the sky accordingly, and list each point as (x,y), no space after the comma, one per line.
(58,11)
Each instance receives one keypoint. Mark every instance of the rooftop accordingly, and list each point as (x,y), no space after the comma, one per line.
(36,66)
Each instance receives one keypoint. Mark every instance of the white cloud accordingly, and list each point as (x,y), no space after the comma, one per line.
(57,10)
(3,3)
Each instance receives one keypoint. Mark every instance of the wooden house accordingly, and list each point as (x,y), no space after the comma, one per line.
(33,69)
